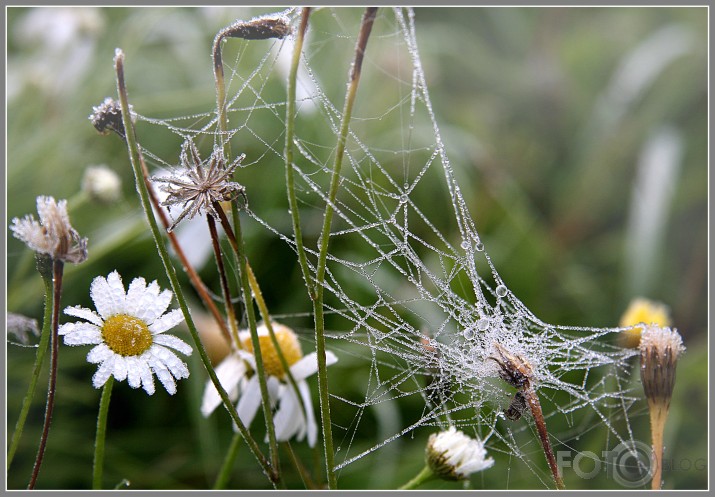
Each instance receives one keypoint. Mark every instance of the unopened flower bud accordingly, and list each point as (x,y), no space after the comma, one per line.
(660,348)
(452,455)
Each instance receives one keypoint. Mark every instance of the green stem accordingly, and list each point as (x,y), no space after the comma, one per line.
(290,133)
(422,477)
(224,473)
(134,157)
(230,311)
(39,360)
(365,29)
(57,271)
(101,434)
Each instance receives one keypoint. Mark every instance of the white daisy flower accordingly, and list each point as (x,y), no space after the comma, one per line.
(452,455)
(128,331)
(236,373)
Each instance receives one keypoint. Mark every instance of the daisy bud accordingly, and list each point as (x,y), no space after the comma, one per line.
(102,184)
(641,311)
(660,348)
(452,455)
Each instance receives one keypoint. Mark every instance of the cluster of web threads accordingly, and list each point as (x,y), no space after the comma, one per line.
(426,307)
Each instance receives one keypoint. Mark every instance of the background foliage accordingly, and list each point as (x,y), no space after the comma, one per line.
(546,132)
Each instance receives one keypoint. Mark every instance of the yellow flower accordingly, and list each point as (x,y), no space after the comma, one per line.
(642,311)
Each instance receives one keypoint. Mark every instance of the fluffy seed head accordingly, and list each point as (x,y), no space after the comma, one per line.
(452,455)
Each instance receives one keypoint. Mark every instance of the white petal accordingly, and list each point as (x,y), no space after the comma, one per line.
(156,305)
(135,296)
(84,313)
(103,372)
(80,334)
(173,342)
(311,425)
(229,373)
(145,372)
(176,366)
(308,365)
(288,419)
(133,372)
(162,373)
(247,357)
(166,322)
(100,353)
(120,368)
(108,295)
(250,400)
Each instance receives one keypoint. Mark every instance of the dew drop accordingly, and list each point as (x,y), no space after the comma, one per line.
(465,244)
(479,246)
(404,198)
(406,186)
(501,291)
(483,324)
(468,333)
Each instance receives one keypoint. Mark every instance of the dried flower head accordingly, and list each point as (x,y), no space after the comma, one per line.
(639,312)
(102,184)
(452,455)
(107,117)
(198,185)
(21,326)
(53,235)
(660,348)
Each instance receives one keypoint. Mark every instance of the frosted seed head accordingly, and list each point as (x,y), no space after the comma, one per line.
(452,455)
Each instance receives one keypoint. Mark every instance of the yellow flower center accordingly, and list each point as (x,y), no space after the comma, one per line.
(126,335)
(288,344)
(641,311)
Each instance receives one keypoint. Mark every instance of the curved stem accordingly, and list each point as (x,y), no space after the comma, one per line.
(39,360)
(101,436)
(224,473)
(57,271)
(422,477)
(290,133)
(365,29)
(134,155)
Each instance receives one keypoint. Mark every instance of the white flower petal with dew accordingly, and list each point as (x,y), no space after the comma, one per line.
(250,401)
(99,354)
(166,322)
(229,373)
(88,314)
(80,334)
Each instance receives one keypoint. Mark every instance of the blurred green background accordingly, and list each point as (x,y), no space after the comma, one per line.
(578,137)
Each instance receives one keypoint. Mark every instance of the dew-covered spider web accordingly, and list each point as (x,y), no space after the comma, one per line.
(410,290)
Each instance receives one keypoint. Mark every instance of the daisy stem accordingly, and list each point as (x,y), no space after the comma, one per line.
(302,472)
(227,467)
(134,157)
(533,401)
(230,311)
(365,29)
(57,271)
(263,309)
(39,360)
(422,477)
(242,263)
(101,436)
(290,132)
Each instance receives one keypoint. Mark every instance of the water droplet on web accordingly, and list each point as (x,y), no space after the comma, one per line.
(468,333)
(479,246)
(406,186)
(404,198)
(501,291)
(483,324)
(465,244)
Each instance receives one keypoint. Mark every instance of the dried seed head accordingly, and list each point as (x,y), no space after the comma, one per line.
(53,235)
(107,117)
(452,455)
(660,348)
(259,28)
(513,368)
(198,185)
(21,326)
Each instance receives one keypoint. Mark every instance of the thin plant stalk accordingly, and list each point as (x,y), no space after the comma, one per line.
(99,441)
(425,475)
(134,157)
(230,311)
(318,311)
(39,360)
(224,473)
(290,133)
(302,472)
(532,401)
(57,271)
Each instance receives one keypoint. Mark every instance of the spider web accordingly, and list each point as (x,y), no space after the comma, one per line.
(409,289)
